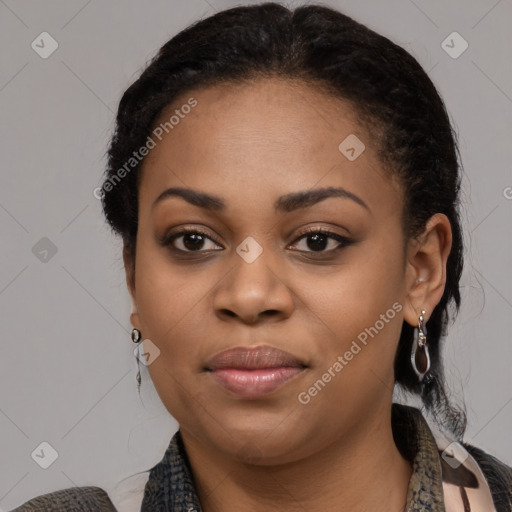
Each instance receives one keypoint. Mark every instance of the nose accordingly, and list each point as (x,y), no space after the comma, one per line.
(253,292)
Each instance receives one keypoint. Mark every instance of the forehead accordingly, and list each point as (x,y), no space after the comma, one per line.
(263,115)
(269,135)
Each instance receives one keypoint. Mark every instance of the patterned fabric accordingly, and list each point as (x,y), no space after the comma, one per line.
(170,486)
(74,499)
(436,484)
(416,443)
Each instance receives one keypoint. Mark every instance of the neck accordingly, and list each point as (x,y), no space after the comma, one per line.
(362,472)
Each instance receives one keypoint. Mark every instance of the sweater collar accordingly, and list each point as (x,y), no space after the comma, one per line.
(417,444)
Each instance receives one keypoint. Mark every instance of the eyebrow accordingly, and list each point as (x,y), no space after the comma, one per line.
(287,203)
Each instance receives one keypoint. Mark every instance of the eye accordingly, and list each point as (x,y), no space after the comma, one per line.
(190,240)
(318,239)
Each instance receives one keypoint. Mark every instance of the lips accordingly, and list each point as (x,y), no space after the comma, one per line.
(254,358)
(253,372)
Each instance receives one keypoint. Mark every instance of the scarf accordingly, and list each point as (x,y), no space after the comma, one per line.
(445,477)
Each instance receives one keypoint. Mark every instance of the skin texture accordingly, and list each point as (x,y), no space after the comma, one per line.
(250,144)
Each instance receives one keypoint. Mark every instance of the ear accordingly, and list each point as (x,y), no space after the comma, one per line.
(129,268)
(426,268)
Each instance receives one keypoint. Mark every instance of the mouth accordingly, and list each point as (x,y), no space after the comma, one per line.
(253,372)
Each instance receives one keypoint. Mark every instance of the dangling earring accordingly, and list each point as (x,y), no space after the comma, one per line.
(136,337)
(420,358)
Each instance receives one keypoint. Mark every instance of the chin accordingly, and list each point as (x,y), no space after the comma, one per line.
(260,438)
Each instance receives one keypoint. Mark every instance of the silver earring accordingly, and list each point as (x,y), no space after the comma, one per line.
(136,337)
(420,358)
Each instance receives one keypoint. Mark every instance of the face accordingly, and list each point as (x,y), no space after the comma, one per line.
(296,261)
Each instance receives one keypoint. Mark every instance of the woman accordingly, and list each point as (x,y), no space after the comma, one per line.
(286,186)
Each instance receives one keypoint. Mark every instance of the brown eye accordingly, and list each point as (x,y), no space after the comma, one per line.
(190,240)
(318,240)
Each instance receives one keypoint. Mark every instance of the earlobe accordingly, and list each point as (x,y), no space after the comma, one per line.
(134,317)
(426,268)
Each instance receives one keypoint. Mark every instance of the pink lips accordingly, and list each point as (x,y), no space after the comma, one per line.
(253,372)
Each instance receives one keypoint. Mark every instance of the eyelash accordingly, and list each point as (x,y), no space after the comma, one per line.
(344,241)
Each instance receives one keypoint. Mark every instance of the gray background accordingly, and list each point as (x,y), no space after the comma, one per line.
(67,368)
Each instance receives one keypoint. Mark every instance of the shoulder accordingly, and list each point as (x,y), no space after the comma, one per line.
(414,435)
(497,474)
(74,498)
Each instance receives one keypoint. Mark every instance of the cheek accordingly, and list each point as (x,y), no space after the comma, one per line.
(354,294)
(170,301)
(360,311)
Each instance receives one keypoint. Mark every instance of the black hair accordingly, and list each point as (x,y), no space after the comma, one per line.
(387,88)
